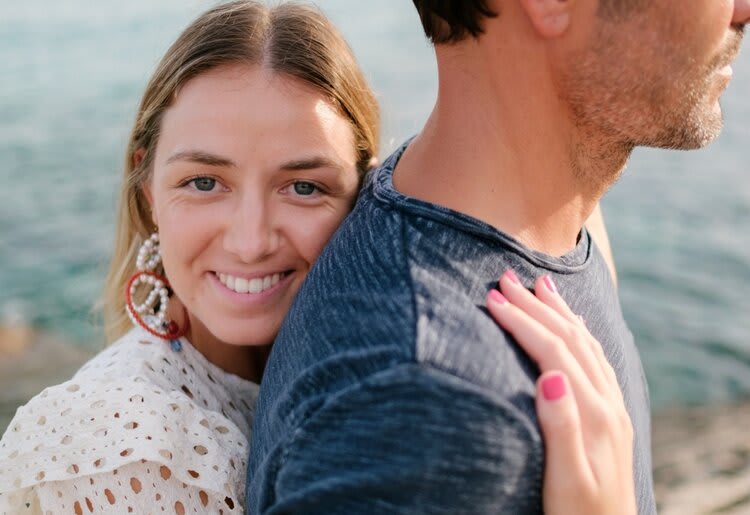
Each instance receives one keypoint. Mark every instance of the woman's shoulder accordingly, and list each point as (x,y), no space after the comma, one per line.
(127,356)
(171,365)
(120,409)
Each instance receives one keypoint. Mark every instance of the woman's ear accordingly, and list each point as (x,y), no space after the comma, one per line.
(146,189)
(145,186)
(550,18)
(374,163)
(138,156)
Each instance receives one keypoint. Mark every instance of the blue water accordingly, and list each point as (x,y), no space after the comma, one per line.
(70,77)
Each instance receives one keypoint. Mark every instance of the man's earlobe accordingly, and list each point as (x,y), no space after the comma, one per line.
(550,18)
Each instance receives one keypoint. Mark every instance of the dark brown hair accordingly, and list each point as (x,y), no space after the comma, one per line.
(450,21)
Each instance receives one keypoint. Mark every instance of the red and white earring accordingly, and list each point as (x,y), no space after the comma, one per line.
(151,314)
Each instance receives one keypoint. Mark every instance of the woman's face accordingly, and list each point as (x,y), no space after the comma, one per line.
(252,174)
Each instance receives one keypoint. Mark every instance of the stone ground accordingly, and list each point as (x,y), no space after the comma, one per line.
(701,455)
(30,361)
(702,460)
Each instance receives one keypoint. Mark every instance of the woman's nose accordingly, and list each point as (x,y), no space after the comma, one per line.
(251,233)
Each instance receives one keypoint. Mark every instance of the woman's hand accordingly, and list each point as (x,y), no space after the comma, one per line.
(587,431)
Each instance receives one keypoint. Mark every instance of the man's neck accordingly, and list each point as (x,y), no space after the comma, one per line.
(500,146)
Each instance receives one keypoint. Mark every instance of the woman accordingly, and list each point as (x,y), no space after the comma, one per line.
(250,144)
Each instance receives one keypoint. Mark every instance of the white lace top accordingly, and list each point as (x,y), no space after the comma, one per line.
(144,427)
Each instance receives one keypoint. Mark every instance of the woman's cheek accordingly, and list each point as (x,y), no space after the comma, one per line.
(313,232)
(185,230)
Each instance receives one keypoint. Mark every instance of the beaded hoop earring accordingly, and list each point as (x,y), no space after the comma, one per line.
(146,314)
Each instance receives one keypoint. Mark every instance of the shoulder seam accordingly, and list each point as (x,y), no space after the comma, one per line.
(412,292)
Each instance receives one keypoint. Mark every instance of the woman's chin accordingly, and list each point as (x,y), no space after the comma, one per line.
(249,335)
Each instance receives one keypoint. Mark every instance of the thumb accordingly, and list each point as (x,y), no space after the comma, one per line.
(566,460)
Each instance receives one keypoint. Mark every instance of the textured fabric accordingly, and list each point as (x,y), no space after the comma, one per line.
(390,389)
(141,428)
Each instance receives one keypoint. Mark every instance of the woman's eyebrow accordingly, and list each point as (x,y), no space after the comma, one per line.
(209,159)
(199,156)
(311,163)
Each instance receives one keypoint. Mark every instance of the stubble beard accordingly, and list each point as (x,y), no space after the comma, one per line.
(619,101)
(695,118)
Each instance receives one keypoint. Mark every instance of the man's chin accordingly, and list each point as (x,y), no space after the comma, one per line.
(704,136)
(692,136)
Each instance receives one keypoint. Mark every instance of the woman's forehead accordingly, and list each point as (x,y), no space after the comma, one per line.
(242,108)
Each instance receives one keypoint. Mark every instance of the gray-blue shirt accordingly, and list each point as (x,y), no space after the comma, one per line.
(391,390)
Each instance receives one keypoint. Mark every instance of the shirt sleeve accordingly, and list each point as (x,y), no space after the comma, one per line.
(142,487)
(410,440)
(118,445)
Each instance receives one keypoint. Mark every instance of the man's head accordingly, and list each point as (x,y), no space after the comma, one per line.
(637,72)
(653,76)
(450,21)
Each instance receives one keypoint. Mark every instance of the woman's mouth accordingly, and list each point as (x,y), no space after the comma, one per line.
(253,286)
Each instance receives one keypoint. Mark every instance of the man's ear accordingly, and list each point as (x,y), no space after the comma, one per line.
(138,156)
(550,18)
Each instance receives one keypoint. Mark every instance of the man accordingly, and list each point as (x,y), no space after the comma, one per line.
(389,389)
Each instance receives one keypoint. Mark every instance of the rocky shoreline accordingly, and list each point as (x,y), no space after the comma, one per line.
(702,459)
(701,454)
(30,360)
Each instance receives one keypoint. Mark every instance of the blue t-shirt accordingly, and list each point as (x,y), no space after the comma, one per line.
(390,389)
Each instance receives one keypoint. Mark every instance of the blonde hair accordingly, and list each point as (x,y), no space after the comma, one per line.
(292,39)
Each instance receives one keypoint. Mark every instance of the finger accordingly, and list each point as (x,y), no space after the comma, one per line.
(543,346)
(596,409)
(546,305)
(546,291)
(575,337)
(567,463)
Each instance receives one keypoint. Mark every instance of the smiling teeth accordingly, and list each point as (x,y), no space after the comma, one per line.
(255,285)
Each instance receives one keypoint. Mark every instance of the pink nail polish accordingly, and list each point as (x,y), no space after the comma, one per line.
(498,297)
(553,387)
(510,274)
(550,284)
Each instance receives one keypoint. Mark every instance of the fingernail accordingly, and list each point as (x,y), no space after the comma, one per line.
(583,320)
(510,274)
(550,284)
(498,297)
(553,387)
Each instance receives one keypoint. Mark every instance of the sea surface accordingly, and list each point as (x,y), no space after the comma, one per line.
(70,78)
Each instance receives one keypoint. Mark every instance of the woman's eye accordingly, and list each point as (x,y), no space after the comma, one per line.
(203,183)
(304,189)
